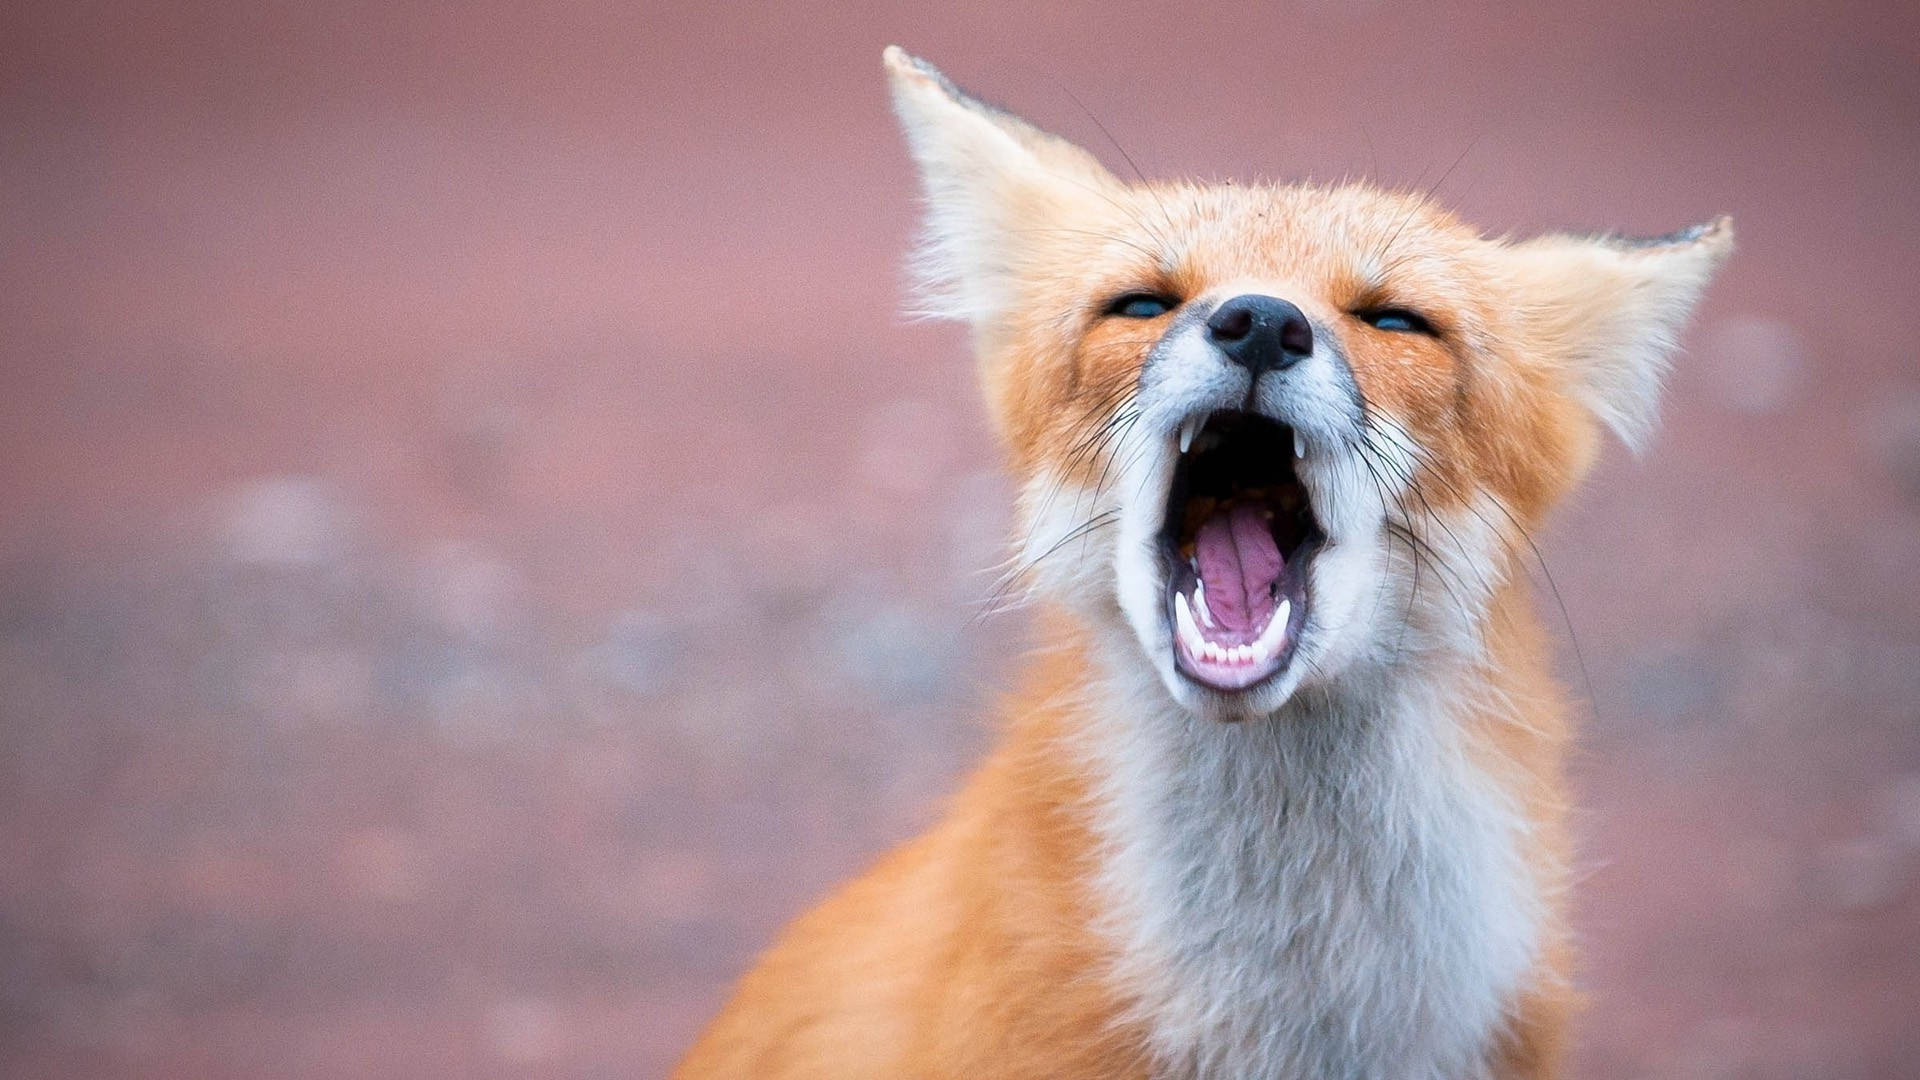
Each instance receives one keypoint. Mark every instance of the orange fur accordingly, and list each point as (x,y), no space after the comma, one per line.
(982,948)
(965,953)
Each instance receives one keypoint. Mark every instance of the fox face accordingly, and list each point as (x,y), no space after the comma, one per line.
(1278,439)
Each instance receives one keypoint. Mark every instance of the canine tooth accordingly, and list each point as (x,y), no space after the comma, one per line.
(1299,444)
(1190,430)
(1277,629)
(1183,620)
(1268,645)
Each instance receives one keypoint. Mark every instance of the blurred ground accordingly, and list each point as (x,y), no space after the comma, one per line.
(478,550)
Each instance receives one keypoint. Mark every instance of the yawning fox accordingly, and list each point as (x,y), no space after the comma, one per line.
(1281,796)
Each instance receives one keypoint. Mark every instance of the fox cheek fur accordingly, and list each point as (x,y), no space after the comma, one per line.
(1281,795)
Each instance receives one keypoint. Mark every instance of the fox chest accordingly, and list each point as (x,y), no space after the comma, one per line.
(1314,929)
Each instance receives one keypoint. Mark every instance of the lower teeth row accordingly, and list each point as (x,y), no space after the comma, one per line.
(1263,648)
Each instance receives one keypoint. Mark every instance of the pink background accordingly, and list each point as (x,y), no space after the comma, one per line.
(479,550)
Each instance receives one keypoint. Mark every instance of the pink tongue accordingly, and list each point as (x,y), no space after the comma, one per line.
(1239,562)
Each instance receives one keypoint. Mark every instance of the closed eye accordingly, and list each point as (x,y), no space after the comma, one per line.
(1141,305)
(1396,320)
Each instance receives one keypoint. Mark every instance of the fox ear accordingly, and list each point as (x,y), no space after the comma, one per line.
(986,175)
(1608,311)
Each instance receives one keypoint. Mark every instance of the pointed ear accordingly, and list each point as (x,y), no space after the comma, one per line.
(1608,311)
(987,175)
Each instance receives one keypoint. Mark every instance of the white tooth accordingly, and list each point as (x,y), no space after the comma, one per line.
(1200,601)
(1190,430)
(1267,646)
(1183,621)
(1276,631)
(1238,654)
(1299,444)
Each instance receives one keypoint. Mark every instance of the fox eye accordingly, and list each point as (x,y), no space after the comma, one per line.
(1396,320)
(1141,305)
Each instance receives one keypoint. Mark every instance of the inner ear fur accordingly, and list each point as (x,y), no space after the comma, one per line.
(1607,313)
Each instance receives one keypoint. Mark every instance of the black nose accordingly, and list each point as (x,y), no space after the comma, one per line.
(1261,333)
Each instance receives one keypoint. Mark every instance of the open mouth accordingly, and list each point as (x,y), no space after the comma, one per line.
(1237,537)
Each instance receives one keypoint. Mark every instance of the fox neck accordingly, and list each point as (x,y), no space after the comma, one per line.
(1336,890)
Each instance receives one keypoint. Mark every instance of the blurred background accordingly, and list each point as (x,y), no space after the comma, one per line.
(479,550)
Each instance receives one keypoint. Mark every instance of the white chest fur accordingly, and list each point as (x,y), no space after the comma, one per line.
(1331,893)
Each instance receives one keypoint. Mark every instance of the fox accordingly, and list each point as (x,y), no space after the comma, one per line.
(1280,792)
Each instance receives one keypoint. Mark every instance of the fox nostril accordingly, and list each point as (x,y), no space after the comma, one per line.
(1230,323)
(1296,337)
(1261,333)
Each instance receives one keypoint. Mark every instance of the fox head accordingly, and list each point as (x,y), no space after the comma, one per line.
(1277,437)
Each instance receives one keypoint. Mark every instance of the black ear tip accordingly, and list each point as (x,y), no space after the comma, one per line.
(1706,230)
(1714,237)
(1719,231)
